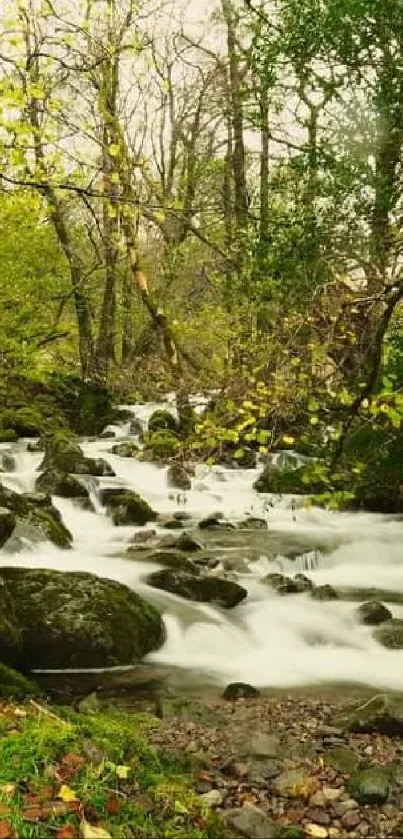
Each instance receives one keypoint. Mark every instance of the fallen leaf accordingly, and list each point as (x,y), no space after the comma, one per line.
(6,831)
(113,805)
(32,814)
(67,794)
(88,831)
(68,831)
(316,831)
(70,765)
(122,772)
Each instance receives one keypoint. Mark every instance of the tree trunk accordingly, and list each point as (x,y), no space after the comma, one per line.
(236,102)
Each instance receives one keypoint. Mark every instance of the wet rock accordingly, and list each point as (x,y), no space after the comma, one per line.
(263,746)
(172,559)
(189,543)
(253,523)
(7,525)
(127,507)
(143,536)
(382,714)
(178,478)
(342,759)
(8,462)
(240,690)
(162,420)
(390,634)
(223,593)
(136,428)
(36,509)
(107,434)
(373,613)
(325,592)
(215,522)
(370,786)
(251,822)
(75,619)
(281,584)
(125,449)
(172,524)
(64,486)
(63,455)
(303,582)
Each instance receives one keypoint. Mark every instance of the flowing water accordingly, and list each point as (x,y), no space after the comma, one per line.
(269,640)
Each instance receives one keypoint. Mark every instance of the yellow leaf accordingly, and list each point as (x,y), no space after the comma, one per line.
(114,150)
(115,177)
(8,790)
(67,794)
(88,831)
(288,440)
(122,772)
(316,831)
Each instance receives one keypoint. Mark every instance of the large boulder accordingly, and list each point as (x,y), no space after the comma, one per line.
(78,620)
(281,584)
(383,714)
(390,634)
(127,507)
(373,613)
(7,525)
(178,478)
(325,592)
(64,486)
(215,590)
(37,509)
(370,786)
(63,454)
(26,422)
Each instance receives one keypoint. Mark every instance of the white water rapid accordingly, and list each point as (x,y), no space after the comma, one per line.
(268,640)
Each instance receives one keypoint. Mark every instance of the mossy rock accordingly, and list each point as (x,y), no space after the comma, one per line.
(64,486)
(7,525)
(26,422)
(88,406)
(215,522)
(167,558)
(14,685)
(281,584)
(8,435)
(63,454)
(127,507)
(325,592)
(383,714)
(370,786)
(37,509)
(342,759)
(160,445)
(8,462)
(373,613)
(390,634)
(79,620)
(125,449)
(162,420)
(224,593)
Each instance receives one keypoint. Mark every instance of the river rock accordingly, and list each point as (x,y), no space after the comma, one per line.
(64,486)
(303,582)
(127,507)
(7,525)
(77,619)
(215,590)
(177,477)
(8,462)
(370,786)
(325,592)
(63,454)
(125,449)
(253,523)
(240,690)
(215,522)
(373,613)
(188,543)
(390,634)
(251,822)
(281,584)
(37,510)
(171,559)
(382,714)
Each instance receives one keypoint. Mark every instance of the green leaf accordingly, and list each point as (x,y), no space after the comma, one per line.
(238,455)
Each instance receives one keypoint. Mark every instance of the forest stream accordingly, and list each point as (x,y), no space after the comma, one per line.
(269,640)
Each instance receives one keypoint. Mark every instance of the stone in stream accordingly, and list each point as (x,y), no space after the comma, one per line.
(253,523)
(224,593)
(303,582)
(126,506)
(240,690)
(178,478)
(75,620)
(373,613)
(383,714)
(169,559)
(8,462)
(325,592)
(37,510)
(215,522)
(188,543)
(7,525)
(370,786)
(125,449)
(390,634)
(281,584)
(64,486)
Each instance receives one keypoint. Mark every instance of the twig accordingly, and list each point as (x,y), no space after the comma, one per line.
(42,710)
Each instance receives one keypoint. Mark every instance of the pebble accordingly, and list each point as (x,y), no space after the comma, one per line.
(318,799)
(351,819)
(319,816)
(213,798)
(332,794)
(343,807)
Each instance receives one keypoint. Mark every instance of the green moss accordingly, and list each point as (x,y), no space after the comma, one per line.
(7,525)
(8,435)
(162,421)
(223,593)
(15,685)
(127,507)
(301,481)
(65,486)
(160,445)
